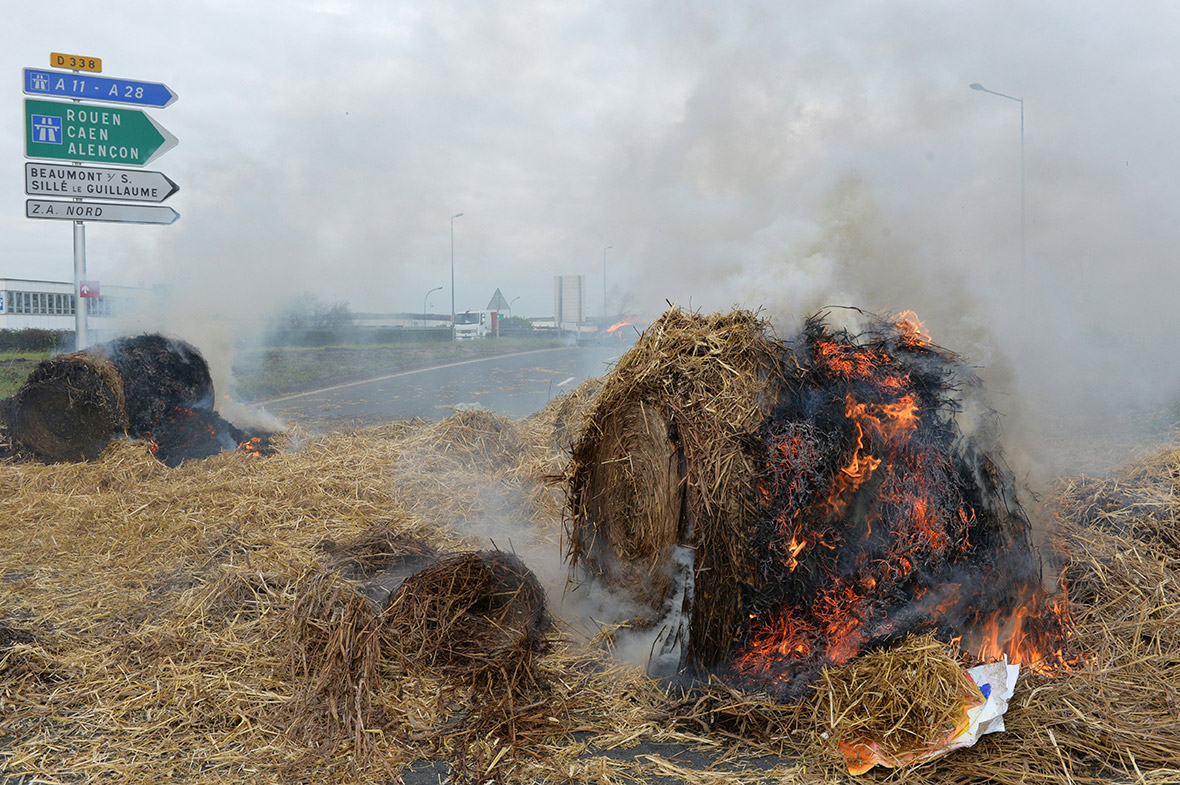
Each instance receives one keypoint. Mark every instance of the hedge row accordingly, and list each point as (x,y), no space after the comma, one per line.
(33,339)
(357,336)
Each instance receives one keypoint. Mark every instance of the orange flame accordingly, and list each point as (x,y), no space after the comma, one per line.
(620,325)
(1035,634)
(913,331)
(252,447)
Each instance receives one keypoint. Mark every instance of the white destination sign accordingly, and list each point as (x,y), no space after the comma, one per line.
(100,211)
(132,185)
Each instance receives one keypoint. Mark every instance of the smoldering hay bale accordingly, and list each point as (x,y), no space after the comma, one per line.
(69,407)
(783,506)
(159,375)
(194,433)
(149,386)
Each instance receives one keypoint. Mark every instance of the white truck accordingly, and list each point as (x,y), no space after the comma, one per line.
(476,324)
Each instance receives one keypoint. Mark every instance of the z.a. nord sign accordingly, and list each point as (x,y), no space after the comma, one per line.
(99,211)
(106,134)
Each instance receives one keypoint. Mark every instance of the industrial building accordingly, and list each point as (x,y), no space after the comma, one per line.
(569,302)
(51,305)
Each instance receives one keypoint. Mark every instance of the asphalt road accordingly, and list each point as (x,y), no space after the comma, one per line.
(515,385)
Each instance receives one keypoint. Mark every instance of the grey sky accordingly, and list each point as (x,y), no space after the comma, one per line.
(770,154)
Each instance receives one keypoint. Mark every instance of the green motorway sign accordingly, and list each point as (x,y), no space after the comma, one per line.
(96,134)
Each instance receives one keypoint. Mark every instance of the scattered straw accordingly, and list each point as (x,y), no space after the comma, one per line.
(904,700)
(210,623)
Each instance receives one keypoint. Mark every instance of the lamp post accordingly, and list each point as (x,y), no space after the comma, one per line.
(424,299)
(510,302)
(981,88)
(604,250)
(453,217)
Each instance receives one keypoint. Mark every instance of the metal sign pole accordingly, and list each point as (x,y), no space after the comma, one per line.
(80,338)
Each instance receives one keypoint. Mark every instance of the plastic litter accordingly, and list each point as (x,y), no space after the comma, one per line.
(996,683)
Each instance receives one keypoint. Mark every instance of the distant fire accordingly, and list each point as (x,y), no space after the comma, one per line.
(620,325)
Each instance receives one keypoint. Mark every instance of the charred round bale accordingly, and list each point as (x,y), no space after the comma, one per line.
(159,375)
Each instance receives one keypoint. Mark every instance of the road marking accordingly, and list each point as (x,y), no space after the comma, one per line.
(346,385)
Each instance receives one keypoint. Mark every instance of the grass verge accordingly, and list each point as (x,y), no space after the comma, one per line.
(15,368)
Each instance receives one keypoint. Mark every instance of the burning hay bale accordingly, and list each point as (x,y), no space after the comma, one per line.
(69,407)
(147,386)
(800,503)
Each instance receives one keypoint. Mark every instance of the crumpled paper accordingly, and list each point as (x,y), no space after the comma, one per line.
(996,682)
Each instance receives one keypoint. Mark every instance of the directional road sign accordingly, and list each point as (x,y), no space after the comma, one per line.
(127,185)
(62,84)
(99,211)
(95,134)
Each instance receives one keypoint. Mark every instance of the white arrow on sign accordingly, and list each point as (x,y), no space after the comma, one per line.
(99,211)
(128,185)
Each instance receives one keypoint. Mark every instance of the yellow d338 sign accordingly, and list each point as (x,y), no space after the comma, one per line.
(75,62)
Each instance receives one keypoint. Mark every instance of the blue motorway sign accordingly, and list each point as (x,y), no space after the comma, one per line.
(92,87)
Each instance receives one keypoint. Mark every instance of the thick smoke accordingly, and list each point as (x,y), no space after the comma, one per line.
(776,155)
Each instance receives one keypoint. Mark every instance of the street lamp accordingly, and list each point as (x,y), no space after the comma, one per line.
(981,88)
(453,217)
(604,250)
(424,299)
(510,302)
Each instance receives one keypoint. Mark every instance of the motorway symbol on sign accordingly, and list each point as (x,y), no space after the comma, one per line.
(94,134)
(127,185)
(59,84)
(75,62)
(99,211)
